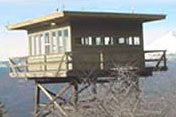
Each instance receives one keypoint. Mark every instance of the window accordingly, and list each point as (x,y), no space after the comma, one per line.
(54,42)
(121,40)
(47,43)
(47,38)
(86,40)
(42,44)
(37,46)
(108,41)
(130,41)
(66,33)
(60,39)
(99,41)
(90,40)
(136,40)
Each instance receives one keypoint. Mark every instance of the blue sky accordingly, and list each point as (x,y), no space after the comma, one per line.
(12,11)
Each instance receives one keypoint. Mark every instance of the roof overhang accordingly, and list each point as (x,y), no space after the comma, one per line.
(79,15)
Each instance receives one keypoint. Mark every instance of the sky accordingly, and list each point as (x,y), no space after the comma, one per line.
(14,43)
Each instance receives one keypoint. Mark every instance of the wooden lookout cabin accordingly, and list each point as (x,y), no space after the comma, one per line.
(64,45)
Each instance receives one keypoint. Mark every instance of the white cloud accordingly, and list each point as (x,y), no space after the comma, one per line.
(12,43)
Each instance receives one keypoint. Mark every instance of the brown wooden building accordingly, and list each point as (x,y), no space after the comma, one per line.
(64,42)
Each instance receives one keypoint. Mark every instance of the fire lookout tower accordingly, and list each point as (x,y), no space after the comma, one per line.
(65,45)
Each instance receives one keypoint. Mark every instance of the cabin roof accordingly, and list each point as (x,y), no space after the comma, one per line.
(90,15)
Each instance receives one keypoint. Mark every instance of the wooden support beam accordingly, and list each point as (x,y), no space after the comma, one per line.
(52,99)
(37,99)
(94,89)
(75,94)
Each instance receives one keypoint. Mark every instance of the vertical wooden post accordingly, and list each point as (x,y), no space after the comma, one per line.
(165,61)
(101,61)
(67,61)
(75,93)
(27,64)
(45,62)
(37,99)
(94,89)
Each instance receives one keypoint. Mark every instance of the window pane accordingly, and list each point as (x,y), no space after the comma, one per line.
(99,41)
(86,41)
(136,41)
(66,33)
(37,45)
(130,40)
(90,40)
(46,37)
(82,41)
(54,42)
(60,39)
(107,41)
(121,40)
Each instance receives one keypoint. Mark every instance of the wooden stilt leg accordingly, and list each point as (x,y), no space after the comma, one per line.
(37,99)
(94,89)
(75,94)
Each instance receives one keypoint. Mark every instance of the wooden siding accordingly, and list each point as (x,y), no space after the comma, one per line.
(121,54)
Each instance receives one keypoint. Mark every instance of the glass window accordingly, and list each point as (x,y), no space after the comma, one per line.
(66,33)
(99,41)
(86,41)
(82,41)
(130,40)
(90,40)
(37,46)
(42,44)
(54,42)
(136,41)
(47,38)
(60,39)
(121,40)
(107,40)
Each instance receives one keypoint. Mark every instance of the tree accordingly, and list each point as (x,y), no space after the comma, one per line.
(1,109)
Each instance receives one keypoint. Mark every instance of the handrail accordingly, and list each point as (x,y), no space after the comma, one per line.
(159,60)
(154,51)
(22,64)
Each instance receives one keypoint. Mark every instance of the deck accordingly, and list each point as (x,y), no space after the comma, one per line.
(61,65)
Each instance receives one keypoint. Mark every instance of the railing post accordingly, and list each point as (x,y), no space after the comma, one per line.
(165,60)
(26,62)
(45,63)
(101,61)
(67,61)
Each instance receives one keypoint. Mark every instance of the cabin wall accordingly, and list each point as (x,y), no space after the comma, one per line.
(89,56)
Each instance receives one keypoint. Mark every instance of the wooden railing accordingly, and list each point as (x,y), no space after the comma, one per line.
(156,60)
(42,64)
